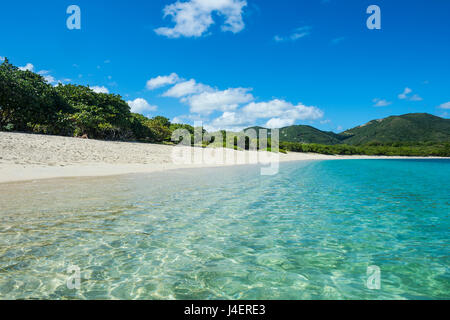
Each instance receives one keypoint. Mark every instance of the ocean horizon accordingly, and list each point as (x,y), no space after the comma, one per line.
(310,232)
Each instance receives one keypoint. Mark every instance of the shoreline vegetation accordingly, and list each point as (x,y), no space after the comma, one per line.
(26,157)
(29,104)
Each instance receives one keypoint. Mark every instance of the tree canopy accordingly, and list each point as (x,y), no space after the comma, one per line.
(29,104)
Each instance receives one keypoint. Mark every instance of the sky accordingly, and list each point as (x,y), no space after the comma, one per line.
(237,63)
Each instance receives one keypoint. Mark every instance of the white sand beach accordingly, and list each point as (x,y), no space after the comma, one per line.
(26,157)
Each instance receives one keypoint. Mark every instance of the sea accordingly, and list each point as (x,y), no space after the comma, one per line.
(339,229)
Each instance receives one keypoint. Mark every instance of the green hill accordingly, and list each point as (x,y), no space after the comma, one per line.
(305,134)
(308,134)
(414,127)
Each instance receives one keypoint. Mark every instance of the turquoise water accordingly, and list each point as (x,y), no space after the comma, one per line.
(309,232)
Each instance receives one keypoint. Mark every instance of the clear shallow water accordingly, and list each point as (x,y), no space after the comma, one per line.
(229,233)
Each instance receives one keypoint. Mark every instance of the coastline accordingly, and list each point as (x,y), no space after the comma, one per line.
(25,157)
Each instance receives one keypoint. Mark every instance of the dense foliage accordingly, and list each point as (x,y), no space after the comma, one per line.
(373,149)
(29,104)
(409,149)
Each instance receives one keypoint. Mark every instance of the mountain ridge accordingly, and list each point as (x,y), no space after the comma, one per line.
(411,127)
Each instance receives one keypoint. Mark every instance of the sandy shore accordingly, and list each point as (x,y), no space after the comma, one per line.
(29,157)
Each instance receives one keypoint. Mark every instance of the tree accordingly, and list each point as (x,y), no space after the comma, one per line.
(99,115)
(160,127)
(27,101)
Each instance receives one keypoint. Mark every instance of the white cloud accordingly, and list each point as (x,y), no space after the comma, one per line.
(161,81)
(189,118)
(140,105)
(2,58)
(238,107)
(297,34)
(278,114)
(186,88)
(203,99)
(226,100)
(47,77)
(416,97)
(276,123)
(445,105)
(50,79)
(178,119)
(27,67)
(381,102)
(98,89)
(282,109)
(405,95)
(228,119)
(193,18)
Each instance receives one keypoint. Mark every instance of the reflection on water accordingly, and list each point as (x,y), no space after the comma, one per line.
(309,232)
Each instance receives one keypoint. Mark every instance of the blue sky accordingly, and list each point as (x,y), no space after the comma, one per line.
(236,63)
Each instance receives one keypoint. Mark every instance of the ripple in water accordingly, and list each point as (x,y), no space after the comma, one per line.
(228,233)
